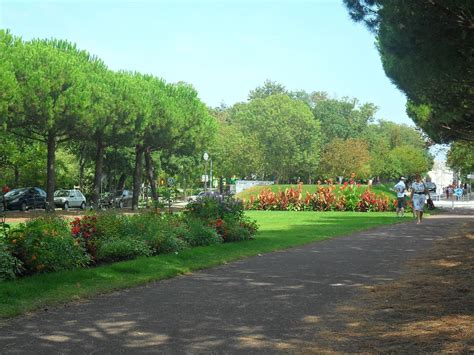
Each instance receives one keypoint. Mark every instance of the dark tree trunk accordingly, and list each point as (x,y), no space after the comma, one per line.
(221,184)
(150,172)
(82,165)
(17,175)
(121,182)
(99,163)
(137,175)
(51,170)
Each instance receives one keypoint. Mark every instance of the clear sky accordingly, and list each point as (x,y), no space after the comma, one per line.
(223,48)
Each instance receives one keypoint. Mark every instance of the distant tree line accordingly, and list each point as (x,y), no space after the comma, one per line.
(289,136)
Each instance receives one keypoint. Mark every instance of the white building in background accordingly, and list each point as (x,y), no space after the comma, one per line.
(441,175)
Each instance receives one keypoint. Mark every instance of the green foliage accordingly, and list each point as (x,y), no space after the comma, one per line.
(237,152)
(162,233)
(118,248)
(411,160)
(10,266)
(268,88)
(287,133)
(200,234)
(109,224)
(426,52)
(212,208)
(45,244)
(237,230)
(460,158)
(344,118)
(345,157)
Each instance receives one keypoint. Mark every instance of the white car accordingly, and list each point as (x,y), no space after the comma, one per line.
(69,198)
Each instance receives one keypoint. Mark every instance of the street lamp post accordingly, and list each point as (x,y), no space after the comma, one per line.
(206,158)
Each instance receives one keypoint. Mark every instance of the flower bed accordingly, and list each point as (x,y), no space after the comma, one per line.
(346,197)
(51,243)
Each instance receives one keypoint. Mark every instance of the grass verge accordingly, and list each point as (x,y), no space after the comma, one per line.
(278,230)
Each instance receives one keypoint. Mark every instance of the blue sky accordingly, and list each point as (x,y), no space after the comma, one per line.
(223,48)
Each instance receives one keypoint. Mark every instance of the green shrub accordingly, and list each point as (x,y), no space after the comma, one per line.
(46,244)
(234,230)
(163,233)
(168,242)
(200,234)
(9,265)
(120,248)
(172,235)
(110,223)
(212,208)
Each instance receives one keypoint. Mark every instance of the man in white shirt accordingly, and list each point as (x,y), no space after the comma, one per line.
(400,188)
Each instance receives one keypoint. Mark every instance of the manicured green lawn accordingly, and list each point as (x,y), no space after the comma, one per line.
(278,230)
(306,188)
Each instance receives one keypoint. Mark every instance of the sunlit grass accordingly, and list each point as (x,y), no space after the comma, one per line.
(278,230)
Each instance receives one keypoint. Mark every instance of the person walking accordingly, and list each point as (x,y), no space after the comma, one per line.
(418,191)
(400,188)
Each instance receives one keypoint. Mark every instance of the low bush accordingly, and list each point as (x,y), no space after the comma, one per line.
(226,215)
(10,266)
(199,234)
(46,244)
(212,208)
(119,248)
(234,230)
(163,233)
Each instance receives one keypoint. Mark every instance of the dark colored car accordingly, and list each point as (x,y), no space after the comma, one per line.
(122,199)
(431,186)
(25,198)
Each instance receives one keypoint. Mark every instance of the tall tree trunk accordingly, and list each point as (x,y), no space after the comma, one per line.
(137,175)
(17,175)
(150,172)
(82,165)
(51,170)
(99,163)
(121,182)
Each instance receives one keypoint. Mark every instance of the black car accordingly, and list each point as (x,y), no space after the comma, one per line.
(24,198)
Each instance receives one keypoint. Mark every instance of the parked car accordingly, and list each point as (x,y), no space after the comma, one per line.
(431,186)
(106,199)
(69,198)
(25,198)
(123,198)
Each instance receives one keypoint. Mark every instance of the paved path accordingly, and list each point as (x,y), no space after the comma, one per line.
(268,304)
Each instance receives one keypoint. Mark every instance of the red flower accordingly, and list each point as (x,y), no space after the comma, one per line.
(76,230)
(218,223)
